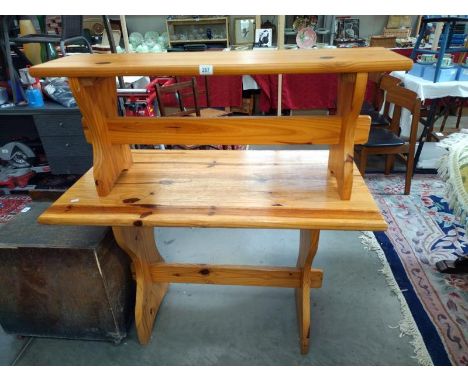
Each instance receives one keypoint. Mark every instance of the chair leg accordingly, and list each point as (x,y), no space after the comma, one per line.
(389,162)
(363,161)
(460,112)
(409,173)
(444,121)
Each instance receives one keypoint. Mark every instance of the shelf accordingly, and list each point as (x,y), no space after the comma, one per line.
(204,20)
(192,26)
(462,49)
(273,189)
(435,19)
(50,107)
(198,41)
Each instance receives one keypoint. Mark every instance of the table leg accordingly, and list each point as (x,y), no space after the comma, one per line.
(140,245)
(307,249)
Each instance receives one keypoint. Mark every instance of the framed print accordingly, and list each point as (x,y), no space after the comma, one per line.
(263,37)
(244,31)
(398,22)
(351,28)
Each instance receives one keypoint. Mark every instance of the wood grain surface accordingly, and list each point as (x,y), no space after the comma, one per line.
(308,245)
(234,130)
(140,245)
(284,277)
(97,101)
(351,89)
(226,63)
(256,189)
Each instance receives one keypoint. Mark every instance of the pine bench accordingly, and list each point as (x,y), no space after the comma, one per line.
(136,190)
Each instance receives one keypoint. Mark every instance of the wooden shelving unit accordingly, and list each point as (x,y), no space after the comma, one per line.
(279,29)
(195,31)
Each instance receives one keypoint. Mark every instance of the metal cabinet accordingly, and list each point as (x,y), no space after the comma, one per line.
(64,143)
(59,130)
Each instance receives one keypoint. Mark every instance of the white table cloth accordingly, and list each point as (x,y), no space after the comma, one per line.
(248,83)
(427,90)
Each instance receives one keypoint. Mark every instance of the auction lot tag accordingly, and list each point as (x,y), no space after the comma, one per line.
(205,70)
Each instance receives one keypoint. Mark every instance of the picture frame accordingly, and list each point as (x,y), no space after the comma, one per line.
(244,30)
(347,28)
(263,37)
(351,28)
(398,22)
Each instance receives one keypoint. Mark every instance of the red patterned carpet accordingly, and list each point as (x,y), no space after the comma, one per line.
(10,205)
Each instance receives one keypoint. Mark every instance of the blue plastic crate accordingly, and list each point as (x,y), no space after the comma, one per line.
(418,69)
(462,74)
(446,74)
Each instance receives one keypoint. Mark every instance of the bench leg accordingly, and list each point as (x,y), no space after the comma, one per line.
(351,90)
(140,245)
(307,249)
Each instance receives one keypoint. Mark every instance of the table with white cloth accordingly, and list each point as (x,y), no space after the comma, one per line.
(427,90)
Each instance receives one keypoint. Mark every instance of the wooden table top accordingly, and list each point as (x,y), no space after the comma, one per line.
(226,63)
(194,188)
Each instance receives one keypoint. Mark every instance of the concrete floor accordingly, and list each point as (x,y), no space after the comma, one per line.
(353,314)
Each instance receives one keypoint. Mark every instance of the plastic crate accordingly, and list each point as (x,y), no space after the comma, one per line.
(418,69)
(462,74)
(446,74)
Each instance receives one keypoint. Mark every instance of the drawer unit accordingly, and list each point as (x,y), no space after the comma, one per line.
(58,124)
(69,165)
(64,143)
(66,146)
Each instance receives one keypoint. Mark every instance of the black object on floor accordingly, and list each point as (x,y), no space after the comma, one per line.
(45,181)
(457,266)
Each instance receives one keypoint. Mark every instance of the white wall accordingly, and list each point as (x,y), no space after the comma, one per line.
(374,25)
(144,24)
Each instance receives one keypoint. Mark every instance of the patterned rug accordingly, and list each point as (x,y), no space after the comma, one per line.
(423,230)
(10,205)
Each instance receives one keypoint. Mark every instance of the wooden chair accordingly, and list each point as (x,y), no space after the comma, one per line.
(458,105)
(373,108)
(376,102)
(182,91)
(386,140)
